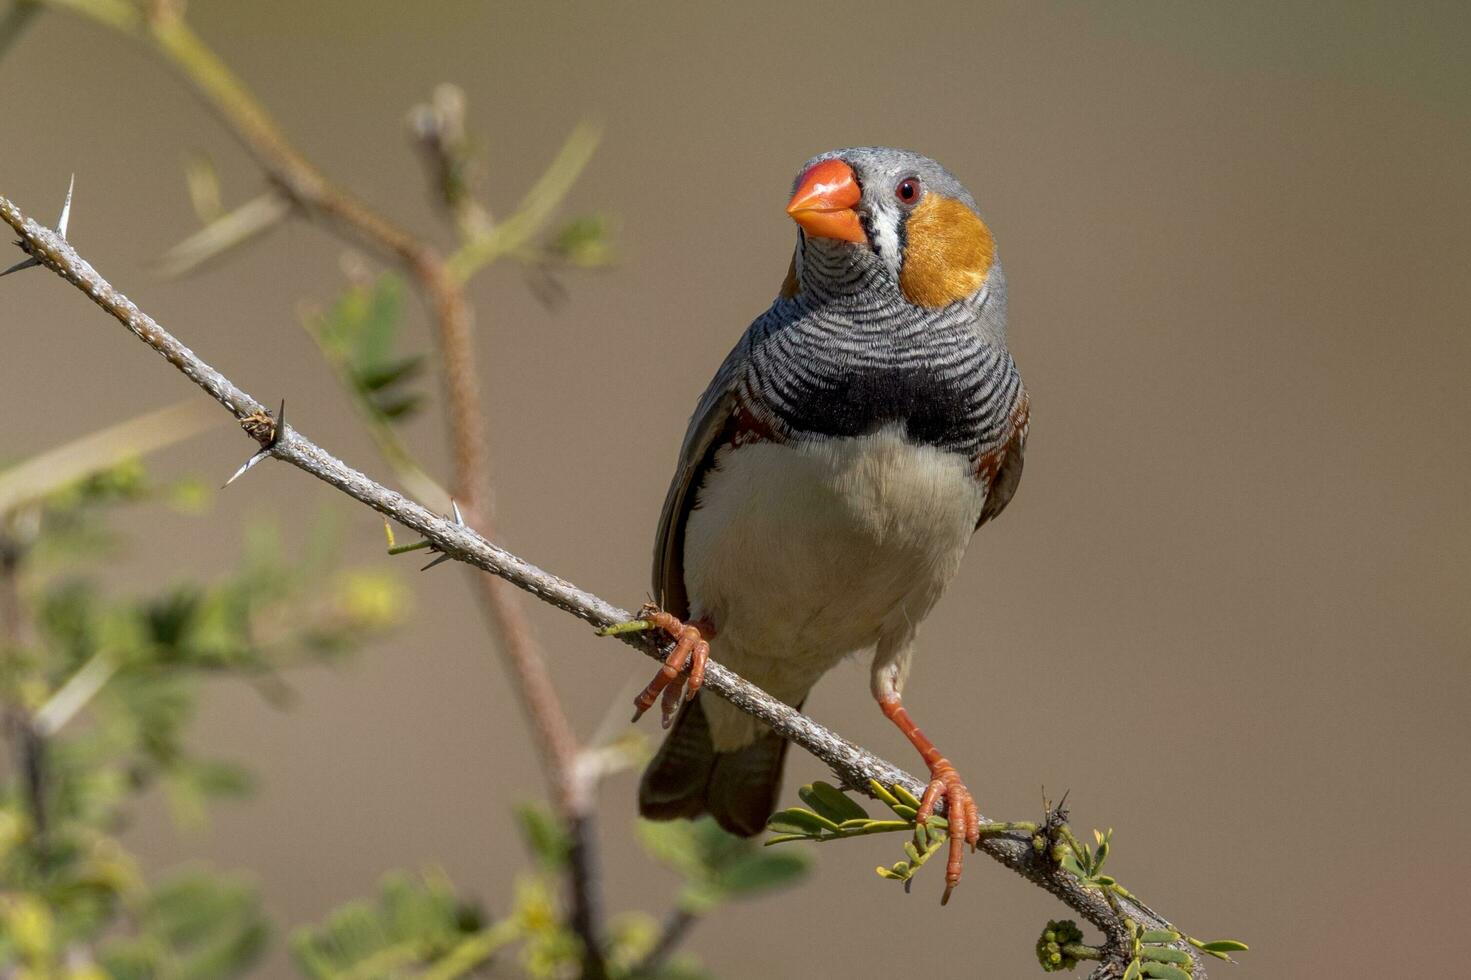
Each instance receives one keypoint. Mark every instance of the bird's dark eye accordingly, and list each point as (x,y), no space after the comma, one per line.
(908,190)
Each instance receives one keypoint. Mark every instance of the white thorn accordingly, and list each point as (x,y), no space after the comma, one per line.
(459,518)
(441,558)
(247,465)
(24,263)
(66,209)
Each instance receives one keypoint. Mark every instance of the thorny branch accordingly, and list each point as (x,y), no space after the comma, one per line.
(454,324)
(441,283)
(853,765)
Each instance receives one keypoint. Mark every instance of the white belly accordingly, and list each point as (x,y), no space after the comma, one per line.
(802,555)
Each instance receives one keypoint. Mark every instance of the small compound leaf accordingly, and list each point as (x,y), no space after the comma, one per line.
(798,821)
(1164,971)
(881,793)
(1166,954)
(1159,936)
(898,871)
(1224,946)
(905,797)
(831,802)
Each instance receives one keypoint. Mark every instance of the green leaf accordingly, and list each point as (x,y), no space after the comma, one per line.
(544,835)
(900,871)
(1132,972)
(397,408)
(905,797)
(1224,946)
(1164,971)
(798,821)
(584,242)
(370,314)
(1159,936)
(701,897)
(378,376)
(881,793)
(358,336)
(672,843)
(416,924)
(831,802)
(195,925)
(1166,954)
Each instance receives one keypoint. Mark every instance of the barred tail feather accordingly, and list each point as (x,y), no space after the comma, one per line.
(688,777)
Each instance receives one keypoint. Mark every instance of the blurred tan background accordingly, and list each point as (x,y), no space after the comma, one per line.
(1228,610)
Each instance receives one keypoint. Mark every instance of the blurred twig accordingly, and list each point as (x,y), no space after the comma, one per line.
(671,933)
(854,766)
(443,290)
(224,232)
(137,436)
(438,126)
(516,232)
(22,14)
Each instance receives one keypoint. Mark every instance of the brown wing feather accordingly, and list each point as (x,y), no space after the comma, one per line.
(714,424)
(1002,468)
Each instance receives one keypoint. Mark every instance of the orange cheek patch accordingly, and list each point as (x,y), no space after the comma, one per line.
(947,254)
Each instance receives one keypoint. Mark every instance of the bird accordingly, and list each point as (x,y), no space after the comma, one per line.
(832,475)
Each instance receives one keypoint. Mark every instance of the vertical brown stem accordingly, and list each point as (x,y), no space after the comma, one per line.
(453,321)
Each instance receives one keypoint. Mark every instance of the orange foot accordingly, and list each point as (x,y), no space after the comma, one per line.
(961,814)
(960,807)
(691,652)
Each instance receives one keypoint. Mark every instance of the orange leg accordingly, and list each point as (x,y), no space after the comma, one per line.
(691,652)
(960,806)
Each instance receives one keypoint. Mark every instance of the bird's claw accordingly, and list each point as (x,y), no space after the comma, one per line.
(691,652)
(960,813)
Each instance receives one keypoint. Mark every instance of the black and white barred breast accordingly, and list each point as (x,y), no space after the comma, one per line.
(843,368)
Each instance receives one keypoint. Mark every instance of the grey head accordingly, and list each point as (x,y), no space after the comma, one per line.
(880,219)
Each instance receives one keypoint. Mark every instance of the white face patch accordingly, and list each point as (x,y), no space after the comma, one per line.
(884,219)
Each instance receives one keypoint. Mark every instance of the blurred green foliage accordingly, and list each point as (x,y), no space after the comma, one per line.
(357,336)
(418,927)
(98,691)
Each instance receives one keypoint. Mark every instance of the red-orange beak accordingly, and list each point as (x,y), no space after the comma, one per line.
(824,202)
